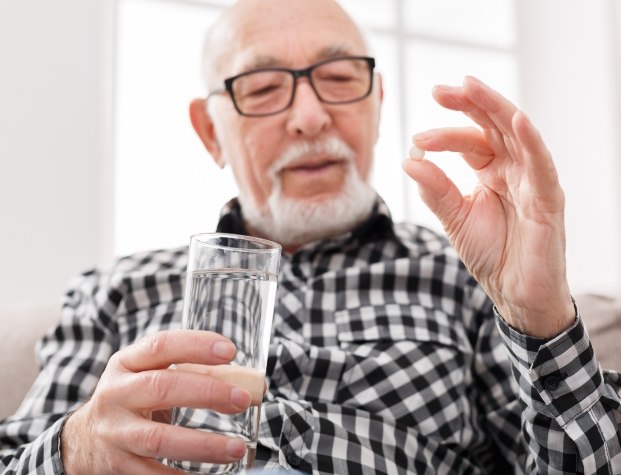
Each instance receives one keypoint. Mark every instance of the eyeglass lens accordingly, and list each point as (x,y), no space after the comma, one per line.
(270,91)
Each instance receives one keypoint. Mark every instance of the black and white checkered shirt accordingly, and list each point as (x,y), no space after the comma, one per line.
(386,358)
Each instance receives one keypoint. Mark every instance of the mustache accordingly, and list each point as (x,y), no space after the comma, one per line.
(333,147)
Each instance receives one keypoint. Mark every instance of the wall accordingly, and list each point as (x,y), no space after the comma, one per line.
(55,188)
(570,89)
(52,133)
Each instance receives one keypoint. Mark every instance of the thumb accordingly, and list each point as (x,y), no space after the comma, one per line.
(437,190)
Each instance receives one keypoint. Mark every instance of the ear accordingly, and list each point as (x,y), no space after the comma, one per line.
(205,129)
(380,100)
(380,86)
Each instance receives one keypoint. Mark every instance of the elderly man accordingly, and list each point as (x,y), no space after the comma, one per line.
(387,355)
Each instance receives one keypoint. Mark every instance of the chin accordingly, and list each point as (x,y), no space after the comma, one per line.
(294,222)
(316,199)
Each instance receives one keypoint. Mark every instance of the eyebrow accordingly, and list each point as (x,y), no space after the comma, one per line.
(266,61)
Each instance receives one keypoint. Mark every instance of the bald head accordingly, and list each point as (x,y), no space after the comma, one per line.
(243,26)
(312,156)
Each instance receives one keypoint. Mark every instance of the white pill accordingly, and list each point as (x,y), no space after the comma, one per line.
(416,153)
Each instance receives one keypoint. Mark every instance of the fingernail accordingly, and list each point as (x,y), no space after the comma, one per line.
(421,137)
(442,87)
(473,79)
(223,349)
(521,113)
(240,398)
(235,448)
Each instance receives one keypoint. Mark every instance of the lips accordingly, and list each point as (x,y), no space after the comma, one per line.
(313,166)
(316,177)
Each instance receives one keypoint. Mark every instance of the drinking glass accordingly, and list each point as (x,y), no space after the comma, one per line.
(231,290)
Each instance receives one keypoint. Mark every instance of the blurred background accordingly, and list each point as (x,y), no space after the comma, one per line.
(98,157)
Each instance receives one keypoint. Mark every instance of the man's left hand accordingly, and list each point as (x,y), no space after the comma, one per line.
(510,231)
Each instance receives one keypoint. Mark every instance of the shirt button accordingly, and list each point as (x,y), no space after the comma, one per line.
(293,460)
(552,382)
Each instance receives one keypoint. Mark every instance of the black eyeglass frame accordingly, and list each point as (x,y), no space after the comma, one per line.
(297,73)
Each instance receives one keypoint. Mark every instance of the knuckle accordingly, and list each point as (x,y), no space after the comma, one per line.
(114,360)
(159,384)
(102,400)
(118,362)
(154,344)
(153,440)
(210,388)
(115,365)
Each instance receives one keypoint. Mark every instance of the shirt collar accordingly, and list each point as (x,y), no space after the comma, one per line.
(379,224)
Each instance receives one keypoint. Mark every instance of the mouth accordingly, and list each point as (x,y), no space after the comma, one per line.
(312,167)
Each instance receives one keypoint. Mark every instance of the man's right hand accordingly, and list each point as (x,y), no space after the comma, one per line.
(116,431)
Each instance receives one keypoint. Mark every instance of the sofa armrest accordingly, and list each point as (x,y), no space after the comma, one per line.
(602,318)
(18,365)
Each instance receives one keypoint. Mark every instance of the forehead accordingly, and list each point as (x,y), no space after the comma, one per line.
(290,34)
(253,58)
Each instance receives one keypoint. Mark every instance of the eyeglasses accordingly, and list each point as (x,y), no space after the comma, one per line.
(268,91)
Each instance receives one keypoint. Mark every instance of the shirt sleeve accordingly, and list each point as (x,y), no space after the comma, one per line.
(572,408)
(72,356)
(496,396)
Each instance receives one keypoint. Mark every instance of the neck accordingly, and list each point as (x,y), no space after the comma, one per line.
(287,248)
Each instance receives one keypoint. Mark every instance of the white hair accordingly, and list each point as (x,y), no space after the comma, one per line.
(298,221)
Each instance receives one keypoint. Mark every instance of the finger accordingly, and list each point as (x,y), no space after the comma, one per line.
(165,348)
(156,440)
(502,145)
(467,141)
(487,108)
(540,166)
(500,138)
(162,389)
(498,109)
(250,379)
(437,191)
(454,98)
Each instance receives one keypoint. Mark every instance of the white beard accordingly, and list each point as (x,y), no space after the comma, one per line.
(292,222)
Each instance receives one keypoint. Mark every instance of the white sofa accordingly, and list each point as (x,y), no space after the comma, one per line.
(18,365)
(23,328)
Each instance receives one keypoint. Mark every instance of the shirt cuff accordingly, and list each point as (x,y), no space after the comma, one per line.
(559,377)
(58,459)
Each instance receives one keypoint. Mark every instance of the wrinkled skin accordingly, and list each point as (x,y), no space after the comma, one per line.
(510,231)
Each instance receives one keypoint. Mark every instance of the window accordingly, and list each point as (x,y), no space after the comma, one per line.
(168,188)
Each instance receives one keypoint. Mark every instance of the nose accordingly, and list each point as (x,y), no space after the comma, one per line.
(308,116)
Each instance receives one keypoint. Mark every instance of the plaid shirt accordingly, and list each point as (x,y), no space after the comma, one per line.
(386,358)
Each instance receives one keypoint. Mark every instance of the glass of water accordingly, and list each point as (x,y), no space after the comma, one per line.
(231,290)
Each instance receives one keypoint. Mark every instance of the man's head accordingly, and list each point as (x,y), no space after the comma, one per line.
(302,172)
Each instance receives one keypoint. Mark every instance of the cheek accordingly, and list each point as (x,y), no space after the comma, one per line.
(252,162)
(257,154)
(361,138)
